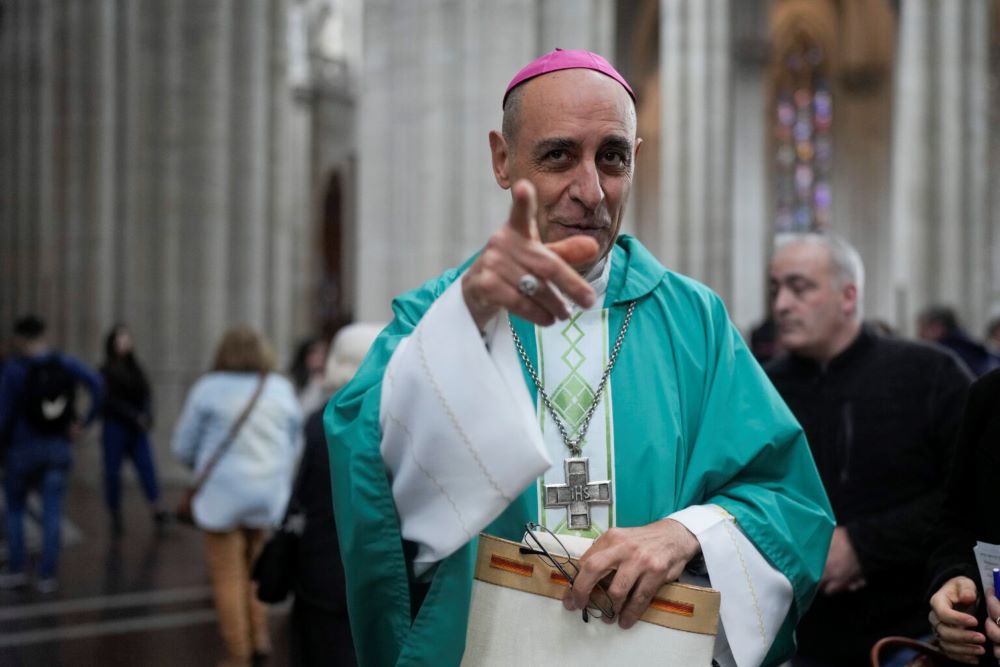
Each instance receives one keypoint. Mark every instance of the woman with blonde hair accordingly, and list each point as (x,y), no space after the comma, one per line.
(246,420)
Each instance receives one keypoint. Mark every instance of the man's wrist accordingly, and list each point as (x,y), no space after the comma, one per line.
(481,313)
(689,544)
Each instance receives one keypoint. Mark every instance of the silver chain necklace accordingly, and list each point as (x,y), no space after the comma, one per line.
(573,444)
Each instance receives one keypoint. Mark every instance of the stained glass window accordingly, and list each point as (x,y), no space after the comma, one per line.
(803,119)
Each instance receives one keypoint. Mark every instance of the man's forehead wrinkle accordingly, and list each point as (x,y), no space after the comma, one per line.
(553,142)
(565,92)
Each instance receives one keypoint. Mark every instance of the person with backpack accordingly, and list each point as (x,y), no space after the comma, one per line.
(38,410)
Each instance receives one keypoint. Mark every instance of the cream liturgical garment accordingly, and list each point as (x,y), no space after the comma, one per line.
(461,439)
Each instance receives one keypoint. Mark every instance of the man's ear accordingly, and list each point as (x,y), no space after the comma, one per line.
(500,155)
(850,298)
(638,145)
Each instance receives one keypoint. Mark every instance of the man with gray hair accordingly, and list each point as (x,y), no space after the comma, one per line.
(880,415)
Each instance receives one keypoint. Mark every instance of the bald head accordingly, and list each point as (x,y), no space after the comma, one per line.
(515,99)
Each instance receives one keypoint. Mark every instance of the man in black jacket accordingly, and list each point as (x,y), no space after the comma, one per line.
(963,614)
(880,415)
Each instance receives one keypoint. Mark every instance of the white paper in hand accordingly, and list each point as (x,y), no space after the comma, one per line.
(987,558)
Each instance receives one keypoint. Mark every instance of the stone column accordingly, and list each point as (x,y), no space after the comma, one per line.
(106,266)
(695,207)
(750,229)
(288,296)
(940,187)
(992,236)
(8,170)
(26,18)
(248,193)
(153,169)
(149,290)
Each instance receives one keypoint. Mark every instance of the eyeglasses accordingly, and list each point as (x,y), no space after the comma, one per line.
(599,605)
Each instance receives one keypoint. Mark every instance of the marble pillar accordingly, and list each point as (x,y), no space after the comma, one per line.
(992,236)
(940,216)
(695,217)
(750,231)
(154,169)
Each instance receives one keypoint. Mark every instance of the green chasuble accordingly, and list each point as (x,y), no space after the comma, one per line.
(696,422)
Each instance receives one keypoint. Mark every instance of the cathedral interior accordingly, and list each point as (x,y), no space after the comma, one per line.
(294,164)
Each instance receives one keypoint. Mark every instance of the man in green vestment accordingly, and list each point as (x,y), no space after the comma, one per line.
(562,339)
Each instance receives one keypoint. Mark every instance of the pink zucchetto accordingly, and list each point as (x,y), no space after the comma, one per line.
(560,59)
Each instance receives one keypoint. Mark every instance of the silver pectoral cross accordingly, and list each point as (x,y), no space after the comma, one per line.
(578,493)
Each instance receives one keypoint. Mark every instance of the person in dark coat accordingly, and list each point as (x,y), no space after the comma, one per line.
(320,628)
(128,416)
(939,325)
(966,618)
(880,415)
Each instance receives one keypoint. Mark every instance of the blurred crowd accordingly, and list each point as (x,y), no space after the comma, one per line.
(252,437)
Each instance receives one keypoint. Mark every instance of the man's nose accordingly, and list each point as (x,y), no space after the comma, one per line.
(586,187)
(782,301)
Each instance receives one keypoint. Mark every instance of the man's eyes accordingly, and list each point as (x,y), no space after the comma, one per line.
(796,287)
(614,158)
(800,287)
(608,159)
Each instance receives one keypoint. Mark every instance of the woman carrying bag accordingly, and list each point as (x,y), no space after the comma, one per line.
(239,432)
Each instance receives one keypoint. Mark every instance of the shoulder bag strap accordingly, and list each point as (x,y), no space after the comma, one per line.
(233,431)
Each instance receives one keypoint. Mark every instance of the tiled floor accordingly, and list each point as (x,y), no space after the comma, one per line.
(141,600)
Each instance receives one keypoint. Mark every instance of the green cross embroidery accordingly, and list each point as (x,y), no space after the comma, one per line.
(574,396)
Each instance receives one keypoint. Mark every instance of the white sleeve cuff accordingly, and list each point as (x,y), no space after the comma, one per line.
(755,596)
(459,437)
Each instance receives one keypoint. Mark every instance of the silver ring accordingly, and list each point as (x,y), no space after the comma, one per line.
(527,285)
(997,621)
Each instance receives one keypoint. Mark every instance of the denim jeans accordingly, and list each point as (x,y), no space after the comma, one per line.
(50,480)
(120,440)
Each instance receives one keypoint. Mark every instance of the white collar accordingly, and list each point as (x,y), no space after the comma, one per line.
(598,277)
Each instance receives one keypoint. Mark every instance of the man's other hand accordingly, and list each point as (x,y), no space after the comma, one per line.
(516,249)
(637,561)
(954,625)
(843,569)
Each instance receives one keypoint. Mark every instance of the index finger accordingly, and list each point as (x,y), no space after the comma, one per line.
(993,616)
(524,209)
(953,617)
(559,271)
(594,566)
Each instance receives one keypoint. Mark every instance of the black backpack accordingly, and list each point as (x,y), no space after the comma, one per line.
(48,397)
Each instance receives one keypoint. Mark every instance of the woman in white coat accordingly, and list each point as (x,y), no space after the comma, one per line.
(245,492)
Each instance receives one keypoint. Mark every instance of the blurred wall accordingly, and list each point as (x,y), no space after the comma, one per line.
(155,168)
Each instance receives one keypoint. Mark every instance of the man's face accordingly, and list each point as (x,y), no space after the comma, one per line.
(811,311)
(576,143)
(930,330)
